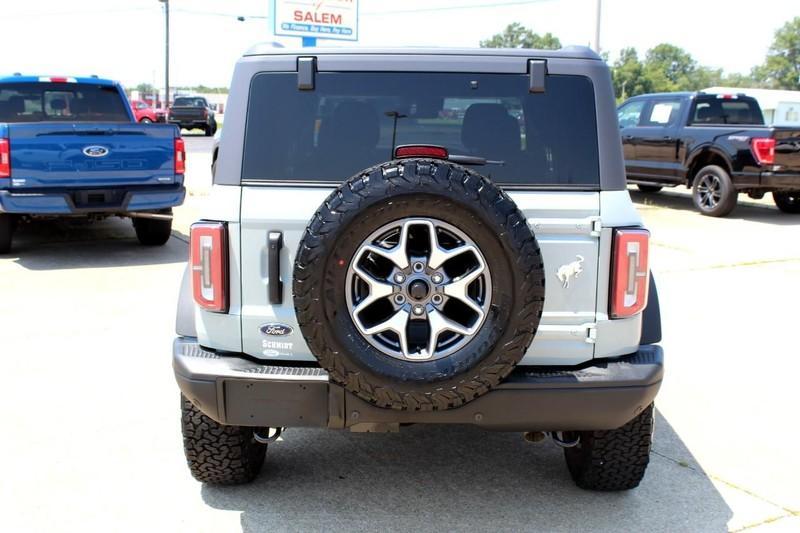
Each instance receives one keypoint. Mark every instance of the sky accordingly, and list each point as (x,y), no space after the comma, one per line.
(124,39)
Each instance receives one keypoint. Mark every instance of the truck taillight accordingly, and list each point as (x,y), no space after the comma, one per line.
(630,279)
(209,265)
(5,158)
(180,156)
(763,150)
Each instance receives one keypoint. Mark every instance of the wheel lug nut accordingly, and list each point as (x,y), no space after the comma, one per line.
(418,310)
(399,278)
(399,299)
(418,267)
(437,278)
(437,299)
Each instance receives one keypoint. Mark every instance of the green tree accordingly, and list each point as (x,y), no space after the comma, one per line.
(628,75)
(144,88)
(518,36)
(735,79)
(781,69)
(704,77)
(669,68)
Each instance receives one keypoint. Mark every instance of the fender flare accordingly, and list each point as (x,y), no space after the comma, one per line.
(698,151)
(184,318)
(651,317)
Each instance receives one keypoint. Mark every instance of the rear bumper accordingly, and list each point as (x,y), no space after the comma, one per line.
(234,390)
(780,182)
(189,124)
(101,200)
(768,181)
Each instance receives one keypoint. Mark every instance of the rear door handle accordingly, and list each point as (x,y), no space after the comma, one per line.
(274,283)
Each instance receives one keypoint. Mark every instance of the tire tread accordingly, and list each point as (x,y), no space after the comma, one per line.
(219,454)
(416,176)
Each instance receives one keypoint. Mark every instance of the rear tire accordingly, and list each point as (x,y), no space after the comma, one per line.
(151,231)
(146,120)
(6,232)
(649,188)
(713,193)
(788,201)
(612,460)
(208,131)
(218,454)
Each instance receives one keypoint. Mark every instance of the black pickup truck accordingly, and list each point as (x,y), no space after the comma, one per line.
(717,144)
(189,112)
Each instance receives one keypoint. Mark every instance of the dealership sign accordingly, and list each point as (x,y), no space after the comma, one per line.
(323,19)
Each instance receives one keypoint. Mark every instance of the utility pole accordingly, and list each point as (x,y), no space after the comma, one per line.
(166,52)
(597,27)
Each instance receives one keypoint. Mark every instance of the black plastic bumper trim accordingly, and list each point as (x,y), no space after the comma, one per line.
(235,390)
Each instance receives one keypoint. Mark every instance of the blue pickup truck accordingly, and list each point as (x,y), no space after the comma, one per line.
(71,147)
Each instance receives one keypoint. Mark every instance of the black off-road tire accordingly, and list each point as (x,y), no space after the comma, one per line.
(208,130)
(612,460)
(153,231)
(649,188)
(729,195)
(217,454)
(424,188)
(6,233)
(788,202)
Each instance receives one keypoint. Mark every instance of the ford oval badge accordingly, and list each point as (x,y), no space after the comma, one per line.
(95,151)
(276,330)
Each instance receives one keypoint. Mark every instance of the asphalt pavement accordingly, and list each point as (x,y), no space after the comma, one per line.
(91,438)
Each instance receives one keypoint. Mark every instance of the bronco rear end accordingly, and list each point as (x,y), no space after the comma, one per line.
(433,237)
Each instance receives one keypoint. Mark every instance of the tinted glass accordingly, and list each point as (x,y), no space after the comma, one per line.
(727,111)
(61,102)
(348,122)
(189,102)
(628,115)
(662,113)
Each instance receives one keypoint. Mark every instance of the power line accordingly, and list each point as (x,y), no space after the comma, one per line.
(219,14)
(240,16)
(78,12)
(458,7)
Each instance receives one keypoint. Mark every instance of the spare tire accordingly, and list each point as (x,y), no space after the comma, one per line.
(418,285)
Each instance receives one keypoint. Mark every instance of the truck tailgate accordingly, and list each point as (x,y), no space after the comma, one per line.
(46,155)
(787,150)
(187,113)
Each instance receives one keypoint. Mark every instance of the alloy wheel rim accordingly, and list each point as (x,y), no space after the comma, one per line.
(418,289)
(709,191)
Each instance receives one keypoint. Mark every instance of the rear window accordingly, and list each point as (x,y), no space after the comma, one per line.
(57,102)
(189,102)
(726,111)
(349,121)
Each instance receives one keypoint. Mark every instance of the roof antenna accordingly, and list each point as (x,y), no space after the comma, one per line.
(395,115)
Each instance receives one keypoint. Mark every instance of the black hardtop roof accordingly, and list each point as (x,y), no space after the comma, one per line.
(569,52)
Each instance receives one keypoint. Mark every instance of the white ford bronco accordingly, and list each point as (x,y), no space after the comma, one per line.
(420,237)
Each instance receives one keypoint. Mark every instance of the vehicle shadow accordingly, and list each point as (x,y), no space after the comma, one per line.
(681,202)
(458,478)
(63,244)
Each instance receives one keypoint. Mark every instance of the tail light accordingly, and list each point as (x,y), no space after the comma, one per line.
(630,273)
(205,113)
(420,150)
(763,150)
(5,159)
(209,265)
(180,156)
